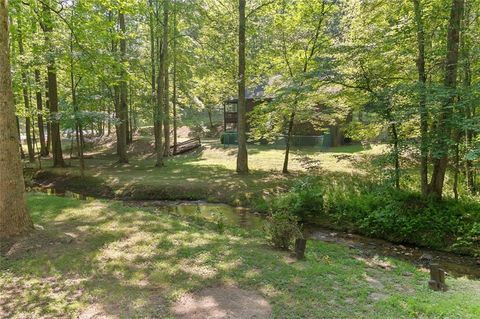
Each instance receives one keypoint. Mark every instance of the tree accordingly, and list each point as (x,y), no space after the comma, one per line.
(52,84)
(14,217)
(242,156)
(122,109)
(422,102)
(443,129)
(166,60)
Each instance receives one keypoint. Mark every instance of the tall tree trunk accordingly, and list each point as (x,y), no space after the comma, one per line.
(288,142)
(450,82)
(28,135)
(26,101)
(242,156)
(49,127)
(456,163)
(166,120)
(122,105)
(155,96)
(55,136)
(174,97)
(422,101)
(159,110)
(166,100)
(131,115)
(78,121)
(22,153)
(162,96)
(396,155)
(109,122)
(40,123)
(14,217)
(469,108)
(127,116)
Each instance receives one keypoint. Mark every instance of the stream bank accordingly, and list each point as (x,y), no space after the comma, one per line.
(455,265)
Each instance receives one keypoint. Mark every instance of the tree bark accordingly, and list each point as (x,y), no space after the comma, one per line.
(450,83)
(162,98)
(55,136)
(242,156)
(166,100)
(26,101)
(14,217)
(22,153)
(422,101)
(469,108)
(174,97)
(122,103)
(78,121)
(49,134)
(291,121)
(396,155)
(40,122)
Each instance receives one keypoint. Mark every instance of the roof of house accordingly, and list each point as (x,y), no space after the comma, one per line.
(257,93)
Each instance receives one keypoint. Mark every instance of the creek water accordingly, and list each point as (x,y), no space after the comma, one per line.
(454,264)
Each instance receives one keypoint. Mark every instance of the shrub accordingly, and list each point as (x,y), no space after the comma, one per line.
(282,228)
(469,242)
(380,211)
(305,200)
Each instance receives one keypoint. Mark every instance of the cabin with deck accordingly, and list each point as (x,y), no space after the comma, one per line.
(230,107)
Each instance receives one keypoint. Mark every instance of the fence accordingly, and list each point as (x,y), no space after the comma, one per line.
(296,141)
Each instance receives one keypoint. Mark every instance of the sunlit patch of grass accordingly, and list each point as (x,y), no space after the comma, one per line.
(126,262)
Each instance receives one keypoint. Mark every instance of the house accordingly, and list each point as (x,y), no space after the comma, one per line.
(230,107)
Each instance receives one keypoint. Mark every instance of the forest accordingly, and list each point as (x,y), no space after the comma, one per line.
(239,159)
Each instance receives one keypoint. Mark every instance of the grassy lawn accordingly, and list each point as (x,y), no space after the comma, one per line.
(207,174)
(125,262)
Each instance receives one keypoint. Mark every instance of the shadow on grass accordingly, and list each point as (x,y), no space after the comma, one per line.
(97,258)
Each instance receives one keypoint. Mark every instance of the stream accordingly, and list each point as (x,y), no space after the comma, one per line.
(454,264)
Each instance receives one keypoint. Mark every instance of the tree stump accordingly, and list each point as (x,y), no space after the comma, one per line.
(437,278)
(300,245)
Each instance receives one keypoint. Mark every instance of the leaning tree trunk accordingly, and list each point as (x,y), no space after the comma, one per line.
(450,82)
(242,157)
(422,101)
(14,217)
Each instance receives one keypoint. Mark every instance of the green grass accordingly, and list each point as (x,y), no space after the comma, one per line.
(132,263)
(208,175)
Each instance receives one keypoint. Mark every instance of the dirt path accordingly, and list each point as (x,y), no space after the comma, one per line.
(222,302)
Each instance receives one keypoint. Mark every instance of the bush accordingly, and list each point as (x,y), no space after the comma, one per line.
(282,228)
(305,200)
(405,217)
(469,242)
(380,211)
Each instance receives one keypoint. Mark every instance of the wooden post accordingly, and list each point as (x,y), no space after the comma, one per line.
(300,245)
(437,278)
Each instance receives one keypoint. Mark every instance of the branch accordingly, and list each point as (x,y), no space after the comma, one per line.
(259,8)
